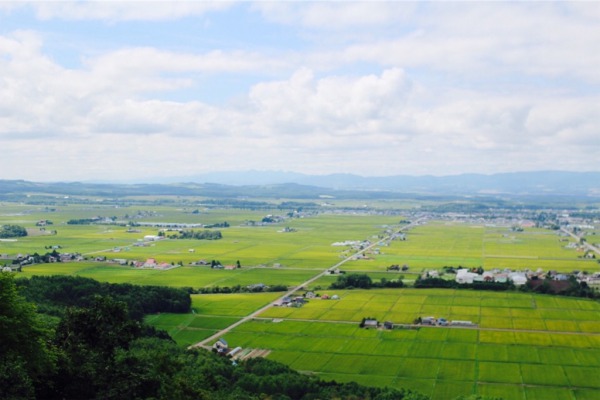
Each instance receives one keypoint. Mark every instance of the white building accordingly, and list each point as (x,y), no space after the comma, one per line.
(465,276)
(518,278)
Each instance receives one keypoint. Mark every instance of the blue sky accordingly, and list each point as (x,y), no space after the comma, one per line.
(137,90)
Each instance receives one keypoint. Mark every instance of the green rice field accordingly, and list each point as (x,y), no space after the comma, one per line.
(210,313)
(432,245)
(526,346)
(437,244)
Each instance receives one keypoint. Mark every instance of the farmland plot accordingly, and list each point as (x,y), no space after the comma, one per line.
(493,360)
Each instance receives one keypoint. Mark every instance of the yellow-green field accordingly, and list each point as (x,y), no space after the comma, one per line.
(438,244)
(526,346)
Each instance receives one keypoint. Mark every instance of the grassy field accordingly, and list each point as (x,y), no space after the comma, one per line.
(527,346)
(210,313)
(307,247)
(195,277)
(438,244)
(490,310)
(429,246)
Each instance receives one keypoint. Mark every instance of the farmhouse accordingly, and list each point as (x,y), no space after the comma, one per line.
(518,278)
(221,346)
(465,276)
(286,301)
(150,263)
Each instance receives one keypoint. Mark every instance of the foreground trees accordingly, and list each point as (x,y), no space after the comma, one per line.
(25,352)
(98,351)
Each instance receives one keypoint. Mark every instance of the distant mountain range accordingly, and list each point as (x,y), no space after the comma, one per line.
(515,183)
(295,185)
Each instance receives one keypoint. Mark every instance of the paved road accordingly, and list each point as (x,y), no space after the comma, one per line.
(204,343)
(585,244)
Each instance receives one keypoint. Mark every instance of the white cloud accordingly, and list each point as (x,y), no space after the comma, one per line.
(129,10)
(151,61)
(471,40)
(336,15)
(455,88)
(334,105)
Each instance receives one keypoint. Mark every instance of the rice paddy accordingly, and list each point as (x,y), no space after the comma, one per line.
(525,346)
(547,356)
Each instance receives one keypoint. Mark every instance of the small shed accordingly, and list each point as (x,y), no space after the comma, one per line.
(371,323)
(221,346)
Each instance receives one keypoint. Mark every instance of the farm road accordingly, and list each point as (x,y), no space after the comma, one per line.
(204,343)
(471,328)
(585,244)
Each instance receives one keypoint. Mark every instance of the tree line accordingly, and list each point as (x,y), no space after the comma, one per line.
(364,281)
(198,235)
(571,287)
(54,294)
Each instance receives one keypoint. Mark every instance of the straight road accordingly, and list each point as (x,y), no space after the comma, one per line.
(205,343)
(585,244)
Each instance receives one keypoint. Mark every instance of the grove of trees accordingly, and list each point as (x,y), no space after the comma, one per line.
(12,231)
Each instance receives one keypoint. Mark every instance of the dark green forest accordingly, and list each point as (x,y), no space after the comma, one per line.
(90,347)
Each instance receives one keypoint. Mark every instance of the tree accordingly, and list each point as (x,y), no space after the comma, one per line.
(10,231)
(90,338)
(25,356)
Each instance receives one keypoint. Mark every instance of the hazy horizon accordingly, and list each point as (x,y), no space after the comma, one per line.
(136,91)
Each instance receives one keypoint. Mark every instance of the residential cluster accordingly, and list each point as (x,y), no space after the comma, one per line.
(299,301)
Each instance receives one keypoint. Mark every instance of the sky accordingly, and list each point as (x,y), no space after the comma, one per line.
(137,91)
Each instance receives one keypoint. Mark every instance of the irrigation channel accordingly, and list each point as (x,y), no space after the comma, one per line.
(205,343)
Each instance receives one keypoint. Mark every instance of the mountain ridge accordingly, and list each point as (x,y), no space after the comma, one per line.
(282,184)
(534,182)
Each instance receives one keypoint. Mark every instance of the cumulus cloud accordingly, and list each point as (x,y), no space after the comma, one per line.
(395,88)
(335,105)
(132,10)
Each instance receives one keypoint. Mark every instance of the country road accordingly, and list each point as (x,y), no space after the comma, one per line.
(204,343)
(585,244)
